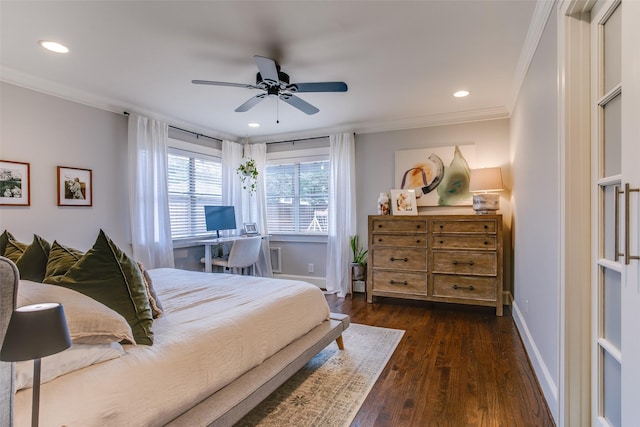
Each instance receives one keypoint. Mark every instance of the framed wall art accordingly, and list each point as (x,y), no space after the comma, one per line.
(439,175)
(14,184)
(403,202)
(75,187)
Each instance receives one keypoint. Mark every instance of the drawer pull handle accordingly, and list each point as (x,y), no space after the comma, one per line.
(456,262)
(441,242)
(418,241)
(486,243)
(393,282)
(405,259)
(379,240)
(470,287)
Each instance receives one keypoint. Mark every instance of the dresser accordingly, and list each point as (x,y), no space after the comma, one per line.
(441,258)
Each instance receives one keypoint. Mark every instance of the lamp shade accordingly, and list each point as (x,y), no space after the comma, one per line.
(487,179)
(35,331)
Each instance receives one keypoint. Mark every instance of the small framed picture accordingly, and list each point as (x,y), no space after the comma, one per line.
(250,228)
(14,184)
(75,187)
(403,202)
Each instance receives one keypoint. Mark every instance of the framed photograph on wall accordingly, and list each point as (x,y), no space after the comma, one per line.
(14,184)
(250,228)
(403,202)
(75,187)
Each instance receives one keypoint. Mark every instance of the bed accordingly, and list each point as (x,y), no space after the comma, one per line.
(222,345)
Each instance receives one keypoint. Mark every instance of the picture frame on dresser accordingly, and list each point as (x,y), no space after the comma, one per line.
(15,185)
(403,202)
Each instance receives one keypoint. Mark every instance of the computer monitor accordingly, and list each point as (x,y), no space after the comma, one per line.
(220,218)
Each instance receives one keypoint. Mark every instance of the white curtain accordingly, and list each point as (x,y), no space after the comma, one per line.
(231,184)
(148,193)
(342,212)
(256,205)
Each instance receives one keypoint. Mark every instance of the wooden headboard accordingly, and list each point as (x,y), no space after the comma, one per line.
(9,278)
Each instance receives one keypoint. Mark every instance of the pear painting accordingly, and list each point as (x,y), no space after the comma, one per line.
(439,175)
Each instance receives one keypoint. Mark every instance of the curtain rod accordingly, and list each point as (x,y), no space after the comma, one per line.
(300,139)
(197,135)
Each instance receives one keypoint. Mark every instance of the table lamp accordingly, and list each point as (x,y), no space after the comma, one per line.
(485,183)
(35,331)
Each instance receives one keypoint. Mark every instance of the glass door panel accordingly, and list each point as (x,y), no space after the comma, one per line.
(611,406)
(612,112)
(611,304)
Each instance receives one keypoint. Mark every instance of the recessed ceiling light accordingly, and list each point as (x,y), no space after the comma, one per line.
(461,93)
(254,125)
(53,46)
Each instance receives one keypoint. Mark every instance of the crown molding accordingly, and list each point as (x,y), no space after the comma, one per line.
(17,78)
(14,77)
(541,15)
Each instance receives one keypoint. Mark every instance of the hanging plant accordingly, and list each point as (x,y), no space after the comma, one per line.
(248,173)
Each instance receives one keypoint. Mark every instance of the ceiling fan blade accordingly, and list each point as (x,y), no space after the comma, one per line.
(319,87)
(299,103)
(209,82)
(252,102)
(267,68)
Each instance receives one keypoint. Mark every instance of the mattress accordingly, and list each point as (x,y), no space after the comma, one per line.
(214,328)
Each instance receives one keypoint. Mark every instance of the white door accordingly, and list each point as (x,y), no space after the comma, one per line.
(616,171)
(631,238)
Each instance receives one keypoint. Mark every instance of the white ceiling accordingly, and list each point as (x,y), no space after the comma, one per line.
(402,60)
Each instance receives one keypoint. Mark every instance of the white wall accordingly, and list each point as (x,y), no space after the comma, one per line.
(47,132)
(536,213)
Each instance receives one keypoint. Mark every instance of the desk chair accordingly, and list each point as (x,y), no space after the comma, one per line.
(244,253)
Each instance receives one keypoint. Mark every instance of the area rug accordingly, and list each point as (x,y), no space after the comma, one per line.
(329,390)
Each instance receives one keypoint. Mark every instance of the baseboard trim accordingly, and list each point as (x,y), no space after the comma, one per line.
(320,282)
(545,379)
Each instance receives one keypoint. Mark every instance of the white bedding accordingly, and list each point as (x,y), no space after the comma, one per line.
(214,328)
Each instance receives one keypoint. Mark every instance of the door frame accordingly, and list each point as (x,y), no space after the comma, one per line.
(574,136)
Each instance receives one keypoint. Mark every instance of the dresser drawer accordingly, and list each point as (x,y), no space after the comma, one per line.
(464,242)
(418,240)
(395,225)
(467,287)
(399,281)
(480,226)
(460,262)
(400,258)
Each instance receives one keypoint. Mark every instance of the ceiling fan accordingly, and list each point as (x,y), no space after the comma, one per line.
(273,82)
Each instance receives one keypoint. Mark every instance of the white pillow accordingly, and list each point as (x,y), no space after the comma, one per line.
(89,321)
(76,357)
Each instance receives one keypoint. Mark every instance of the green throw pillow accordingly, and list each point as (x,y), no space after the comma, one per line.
(4,239)
(61,259)
(14,249)
(108,275)
(33,261)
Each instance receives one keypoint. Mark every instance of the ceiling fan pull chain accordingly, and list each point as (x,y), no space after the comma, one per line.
(277,110)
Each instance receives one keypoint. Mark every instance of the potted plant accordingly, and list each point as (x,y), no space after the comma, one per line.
(248,175)
(359,263)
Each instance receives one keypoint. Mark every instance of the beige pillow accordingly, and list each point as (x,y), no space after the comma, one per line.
(89,321)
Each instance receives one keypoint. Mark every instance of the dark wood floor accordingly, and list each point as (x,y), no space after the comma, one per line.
(455,366)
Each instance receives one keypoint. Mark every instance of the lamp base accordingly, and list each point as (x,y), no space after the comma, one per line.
(486,203)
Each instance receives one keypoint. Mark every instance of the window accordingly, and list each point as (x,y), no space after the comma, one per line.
(194,180)
(298,195)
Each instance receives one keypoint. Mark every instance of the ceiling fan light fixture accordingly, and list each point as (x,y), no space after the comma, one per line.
(254,125)
(461,93)
(53,46)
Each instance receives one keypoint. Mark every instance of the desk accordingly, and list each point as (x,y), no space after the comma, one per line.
(208,243)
